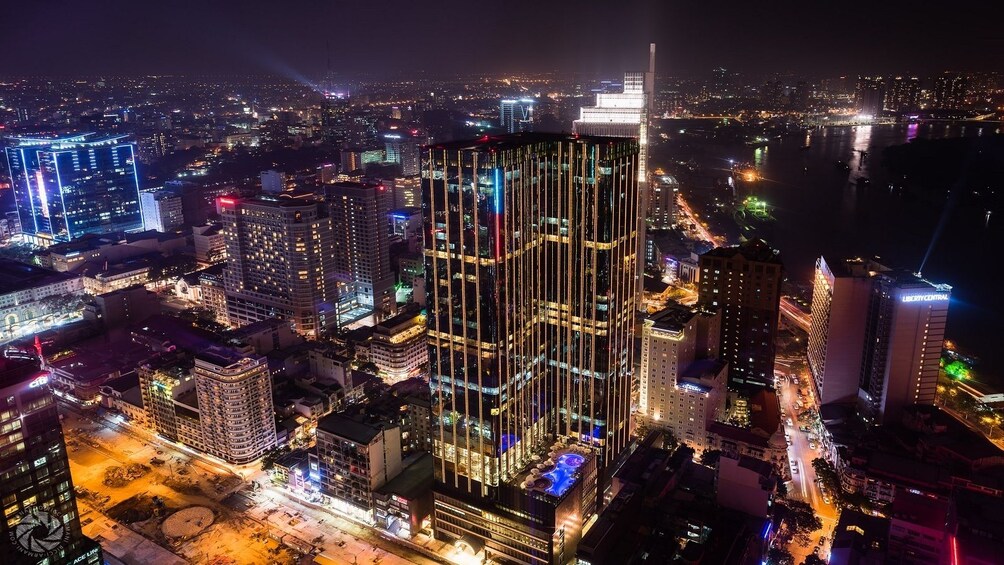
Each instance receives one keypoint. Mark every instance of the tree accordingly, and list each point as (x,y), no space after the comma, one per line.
(710,457)
(799,517)
(779,556)
(21,252)
(828,476)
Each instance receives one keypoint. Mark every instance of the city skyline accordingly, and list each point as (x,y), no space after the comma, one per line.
(460,283)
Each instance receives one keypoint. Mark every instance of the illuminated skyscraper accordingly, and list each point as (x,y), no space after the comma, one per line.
(869,96)
(40,523)
(949,92)
(362,249)
(530,250)
(280,262)
(876,337)
(516,115)
(67,187)
(744,281)
(903,94)
(627,114)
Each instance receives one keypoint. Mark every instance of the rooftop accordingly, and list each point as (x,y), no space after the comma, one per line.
(753,250)
(919,509)
(15,276)
(347,428)
(673,318)
(413,479)
(512,140)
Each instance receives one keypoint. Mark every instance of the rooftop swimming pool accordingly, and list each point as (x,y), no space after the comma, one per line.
(563,476)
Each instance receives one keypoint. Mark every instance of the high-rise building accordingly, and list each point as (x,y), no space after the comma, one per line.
(41,523)
(531,252)
(335,118)
(516,115)
(876,337)
(407,192)
(627,114)
(682,385)
(903,94)
(362,249)
(162,210)
(273,182)
(235,404)
(662,204)
(744,281)
(869,96)
(950,91)
(840,295)
(403,149)
(67,187)
(280,262)
(906,333)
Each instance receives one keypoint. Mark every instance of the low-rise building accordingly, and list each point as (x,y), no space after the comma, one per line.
(403,506)
(354,459)
(399,348)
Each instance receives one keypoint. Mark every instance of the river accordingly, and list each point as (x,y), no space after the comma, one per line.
(821,211)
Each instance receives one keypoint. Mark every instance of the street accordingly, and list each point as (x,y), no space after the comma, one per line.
(803,485)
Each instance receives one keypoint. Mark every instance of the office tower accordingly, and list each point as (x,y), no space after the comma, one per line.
(516,115)
(408,192)
(161,208)
(627,114)
(876,337)
(235,404)
(531,253)
(662,204)
(722,83)
(682,384)
(66,187)
(869,96)
(280,262)
(362,248)
(903,94)
(840,295)
(906,333)
(403,149)
(41,523)
(949,92)
(273,182)
(335,118)
(744,281)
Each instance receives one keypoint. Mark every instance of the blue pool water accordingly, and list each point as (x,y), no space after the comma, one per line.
(562,477)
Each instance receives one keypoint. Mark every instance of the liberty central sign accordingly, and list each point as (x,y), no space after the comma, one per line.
(933,297)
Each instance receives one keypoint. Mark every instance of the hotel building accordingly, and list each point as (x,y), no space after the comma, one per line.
(531,249)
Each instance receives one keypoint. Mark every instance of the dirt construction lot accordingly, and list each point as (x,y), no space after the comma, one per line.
(138,485)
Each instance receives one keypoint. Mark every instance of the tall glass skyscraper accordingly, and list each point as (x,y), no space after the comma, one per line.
(530,251)
(67,187)
(40,523)
(516,115)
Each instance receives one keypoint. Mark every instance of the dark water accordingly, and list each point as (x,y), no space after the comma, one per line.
(820,210)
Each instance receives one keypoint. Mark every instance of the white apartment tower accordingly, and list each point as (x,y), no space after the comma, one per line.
(235,404)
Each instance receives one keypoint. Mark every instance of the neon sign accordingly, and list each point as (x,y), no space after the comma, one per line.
(934,297)
(38,381)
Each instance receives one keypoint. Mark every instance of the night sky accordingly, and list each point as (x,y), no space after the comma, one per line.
(814,37)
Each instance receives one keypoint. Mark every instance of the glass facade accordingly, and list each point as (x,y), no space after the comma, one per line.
(40,523)
(67,187)
(530,250)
